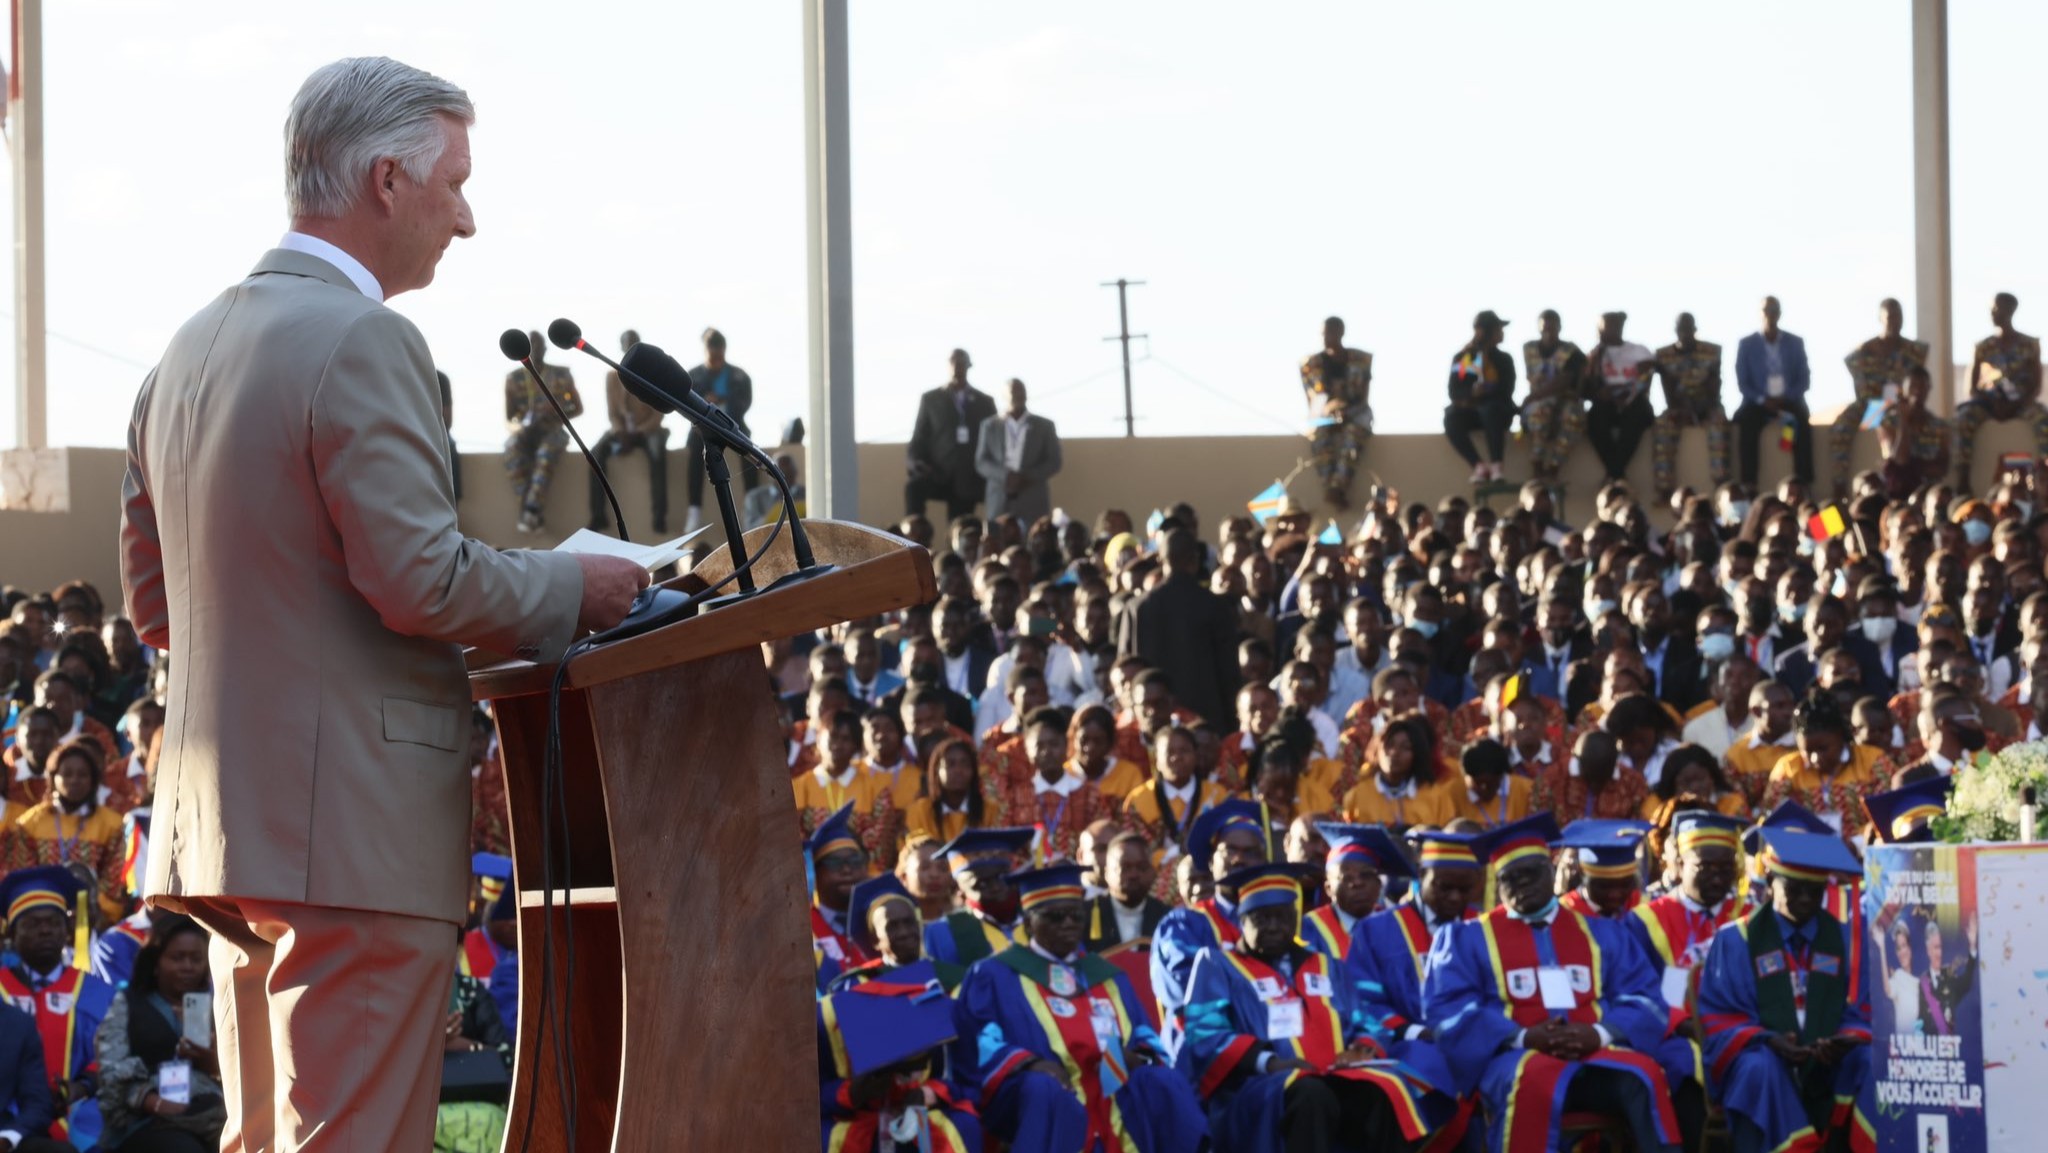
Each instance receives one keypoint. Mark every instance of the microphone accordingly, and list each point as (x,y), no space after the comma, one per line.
(662,382)
(514,344)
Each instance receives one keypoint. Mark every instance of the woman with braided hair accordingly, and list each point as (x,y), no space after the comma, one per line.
(1830,773)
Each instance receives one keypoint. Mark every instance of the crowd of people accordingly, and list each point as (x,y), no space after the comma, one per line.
(1476,827)
(106,1037)
(1606,397)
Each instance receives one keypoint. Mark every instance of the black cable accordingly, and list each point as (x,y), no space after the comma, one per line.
(555,805)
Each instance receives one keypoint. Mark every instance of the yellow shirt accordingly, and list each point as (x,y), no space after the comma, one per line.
(1116,781)
(42,836)
(1749,764)
(874,814)
(1432,804)
(1323,773)
(1510,804)
(906,781)
(1141,811)
(1842,795)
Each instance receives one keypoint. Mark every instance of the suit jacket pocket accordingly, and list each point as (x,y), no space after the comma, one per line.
(422,723)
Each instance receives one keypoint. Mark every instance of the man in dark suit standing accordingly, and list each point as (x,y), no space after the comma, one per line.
(1676,672)
(1771,371)
(1129,911)
(941,455)
(1017,454)
(1187,631)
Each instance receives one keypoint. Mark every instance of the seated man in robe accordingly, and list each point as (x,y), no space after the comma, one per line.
(981,861)
(1544,1011)
(1610,879)
(1055,1042)
(838,863)
(1281,1046)
(1674,931)
(880,1071)
(1225,838)
(1361,857)
(1788,1046)
(887,927)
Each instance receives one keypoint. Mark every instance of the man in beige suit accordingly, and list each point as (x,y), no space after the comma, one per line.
(288,534)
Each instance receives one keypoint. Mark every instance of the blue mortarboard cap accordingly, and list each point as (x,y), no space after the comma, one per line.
(1211,823)
(1517,839)
(895,1017)
(1260,886)
(1901,816)
(1052,883)
(1369,842)
(833,834)
(1000,846)
(1606,848)
(42,887)
(1806,855)
(493,865)
(1788,815)
(1704,826)
(1436,849)
(868,894)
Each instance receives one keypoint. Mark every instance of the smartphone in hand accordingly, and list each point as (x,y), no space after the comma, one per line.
(199,1019)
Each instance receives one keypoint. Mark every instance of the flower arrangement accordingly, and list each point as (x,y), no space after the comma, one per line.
(1985,805)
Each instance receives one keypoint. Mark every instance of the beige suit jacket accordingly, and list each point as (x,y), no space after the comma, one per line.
(288,534)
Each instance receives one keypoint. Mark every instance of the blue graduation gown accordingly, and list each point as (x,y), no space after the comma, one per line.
(1181,935)
(1477,1020)
(846,1129)
(1754,1082)
(1229,1026)
(113,952)
(1014,1009)
(67,1016)
(1388,951)
(942,939)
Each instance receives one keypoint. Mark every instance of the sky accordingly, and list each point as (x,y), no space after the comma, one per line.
(1400,165)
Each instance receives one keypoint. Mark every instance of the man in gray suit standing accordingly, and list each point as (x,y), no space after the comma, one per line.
(288,534)
(1018,453)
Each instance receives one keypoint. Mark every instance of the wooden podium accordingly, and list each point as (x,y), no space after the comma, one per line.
(680,883)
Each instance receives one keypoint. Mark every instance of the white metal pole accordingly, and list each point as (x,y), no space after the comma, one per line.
(833,473)
(25,143)
(1933,291)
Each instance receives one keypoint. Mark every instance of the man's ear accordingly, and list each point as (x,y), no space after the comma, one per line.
(384,177)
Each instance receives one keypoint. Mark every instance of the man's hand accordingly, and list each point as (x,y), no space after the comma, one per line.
(871,1087)
(1281,1064)
(917,469)
(1013,482)
(1788,1048)
(1051,1069)
(1360,1052)
(609,585)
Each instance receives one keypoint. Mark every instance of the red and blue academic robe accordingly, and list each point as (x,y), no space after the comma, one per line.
(113,952)
(1229,1016)
(1323,930)
(1181,935)
(1578,902)
(950,1121)
(1388,952)
(1738,1011)
(67,1013)
(963,937)
(1018,1007)
(1481,990)
(1675,940)
(834,951)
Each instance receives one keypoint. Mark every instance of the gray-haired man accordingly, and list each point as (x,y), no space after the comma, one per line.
(288,531)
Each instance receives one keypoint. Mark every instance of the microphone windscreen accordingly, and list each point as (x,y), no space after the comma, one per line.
(565,333)
(514,345)
(657,368)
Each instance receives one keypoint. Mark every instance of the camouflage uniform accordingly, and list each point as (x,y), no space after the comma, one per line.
(1555,423)
(2004,371)
(1693,382)
(538,438)
(1337,446)
(1875,371)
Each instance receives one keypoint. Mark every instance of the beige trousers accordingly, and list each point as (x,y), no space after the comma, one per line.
(328,1023)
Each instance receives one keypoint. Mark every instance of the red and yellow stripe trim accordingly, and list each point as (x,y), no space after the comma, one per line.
(1050,893)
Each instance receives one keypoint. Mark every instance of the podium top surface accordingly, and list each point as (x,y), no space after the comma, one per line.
(875,572)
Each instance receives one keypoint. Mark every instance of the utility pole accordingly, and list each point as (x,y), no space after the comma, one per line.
(1123,317)
(25,144)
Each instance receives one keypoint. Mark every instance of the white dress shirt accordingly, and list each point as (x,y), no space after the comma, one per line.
(349,265)
(1014,428)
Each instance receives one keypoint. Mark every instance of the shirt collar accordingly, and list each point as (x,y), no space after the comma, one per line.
(1756,738)
(1063,787)
(1406,790)
(1073,958)
(1546,914)
(844,778)
(1178,792)
(349,265)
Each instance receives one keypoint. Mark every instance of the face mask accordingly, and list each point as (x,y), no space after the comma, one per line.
(1840,585)
(1599,609)
(1792,614)
(1970,737)
(1879,630)
(1976,532)
(1428,629)
(1717,647)
(1738,511)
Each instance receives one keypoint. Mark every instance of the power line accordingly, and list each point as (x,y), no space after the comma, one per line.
(88,347)
(1261,413)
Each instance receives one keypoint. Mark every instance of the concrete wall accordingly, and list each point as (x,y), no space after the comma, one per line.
(1216,474)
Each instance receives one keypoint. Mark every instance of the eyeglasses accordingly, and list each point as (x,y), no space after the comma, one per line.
(1073,916)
